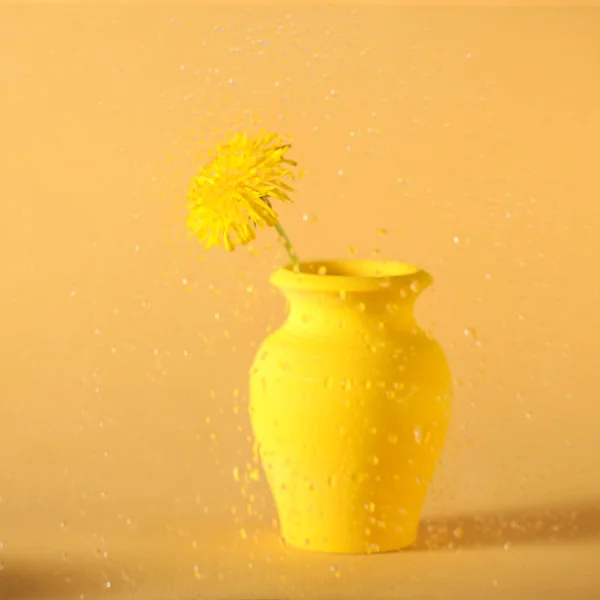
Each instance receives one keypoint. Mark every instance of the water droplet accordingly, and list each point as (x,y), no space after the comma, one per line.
(236,474)
(375,460)
(471,331)
(368,384)
(392,439)
(370,507)
(310,218)
(352,250)
(418,433)
(332,480)
(382,231)
(322,270)
(458,532)
(243,534)
(360,307)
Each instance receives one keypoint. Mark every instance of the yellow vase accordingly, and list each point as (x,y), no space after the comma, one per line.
(350,403)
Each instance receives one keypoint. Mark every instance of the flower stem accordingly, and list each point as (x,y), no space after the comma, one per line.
(288,244)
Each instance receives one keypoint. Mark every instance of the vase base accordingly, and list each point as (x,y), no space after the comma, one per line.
(354,544)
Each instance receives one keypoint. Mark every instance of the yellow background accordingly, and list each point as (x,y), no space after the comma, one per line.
(471,135)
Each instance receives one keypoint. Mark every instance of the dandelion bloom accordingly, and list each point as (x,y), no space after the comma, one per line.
(231,194)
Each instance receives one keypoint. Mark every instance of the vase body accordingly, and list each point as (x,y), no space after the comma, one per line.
(350,404)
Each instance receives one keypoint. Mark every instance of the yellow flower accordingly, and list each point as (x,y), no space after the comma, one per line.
(231,195)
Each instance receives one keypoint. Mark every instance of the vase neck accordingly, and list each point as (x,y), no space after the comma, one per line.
(346,315)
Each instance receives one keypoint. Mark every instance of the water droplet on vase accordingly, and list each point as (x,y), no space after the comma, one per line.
(418,433)
(322,270)
(375,460)
(360,307)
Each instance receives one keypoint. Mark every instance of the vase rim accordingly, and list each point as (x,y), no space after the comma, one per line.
(351,275)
